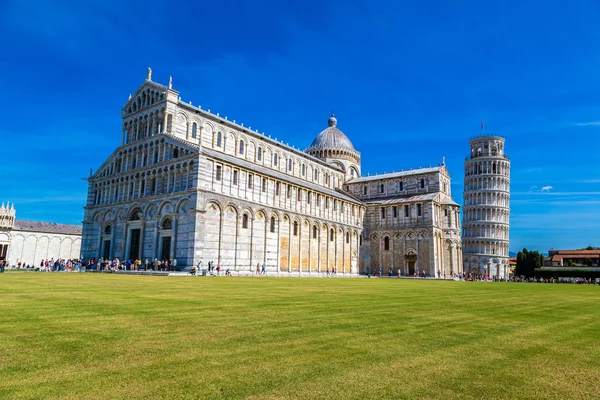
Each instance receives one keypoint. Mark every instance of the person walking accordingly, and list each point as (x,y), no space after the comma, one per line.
(263,271)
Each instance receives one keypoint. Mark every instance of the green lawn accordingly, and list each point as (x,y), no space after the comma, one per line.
(112,336)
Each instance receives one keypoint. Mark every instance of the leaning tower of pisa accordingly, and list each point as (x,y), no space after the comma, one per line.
(486,208)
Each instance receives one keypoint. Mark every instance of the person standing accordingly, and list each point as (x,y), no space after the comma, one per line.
(174,264)
(263,271)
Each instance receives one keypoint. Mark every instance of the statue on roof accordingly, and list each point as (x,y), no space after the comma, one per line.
(149,74)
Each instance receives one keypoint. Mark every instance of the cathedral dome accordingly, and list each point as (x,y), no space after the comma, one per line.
(331,139)
(332,146)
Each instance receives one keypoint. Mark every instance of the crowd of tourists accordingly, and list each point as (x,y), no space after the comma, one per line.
(102,264)
(578,281)
(46,265)
(260,270)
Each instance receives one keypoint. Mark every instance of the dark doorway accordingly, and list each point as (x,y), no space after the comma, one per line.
(165,248)
(106,249)
(134,245)
(3,251)
(411,267)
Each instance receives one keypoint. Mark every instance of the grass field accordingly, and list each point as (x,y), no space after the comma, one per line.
(112,336)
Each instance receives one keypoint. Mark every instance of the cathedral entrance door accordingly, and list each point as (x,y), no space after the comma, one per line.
(106,249)
(3,251)
(165,251)
(134,245)
(411,268)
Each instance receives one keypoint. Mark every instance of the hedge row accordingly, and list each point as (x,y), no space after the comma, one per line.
(566,273)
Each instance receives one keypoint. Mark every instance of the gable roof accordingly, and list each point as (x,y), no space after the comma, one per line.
(279,175)
(397,174)
(154,85)
(47,227)
(167,136)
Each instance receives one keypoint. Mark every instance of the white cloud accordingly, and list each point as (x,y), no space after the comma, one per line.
(589,123)
(546,188)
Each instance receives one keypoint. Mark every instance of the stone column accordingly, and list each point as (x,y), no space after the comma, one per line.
(251,220)
(290,227)
(112,240)
(174,219)
(157,237)
(142,232)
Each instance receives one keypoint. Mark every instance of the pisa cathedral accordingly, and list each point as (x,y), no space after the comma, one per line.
(185,183)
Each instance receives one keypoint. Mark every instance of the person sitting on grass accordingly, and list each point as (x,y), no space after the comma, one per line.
(227,272)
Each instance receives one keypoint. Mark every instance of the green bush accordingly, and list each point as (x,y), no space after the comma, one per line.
(566,273)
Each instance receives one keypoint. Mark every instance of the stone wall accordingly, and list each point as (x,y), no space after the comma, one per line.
(32,247)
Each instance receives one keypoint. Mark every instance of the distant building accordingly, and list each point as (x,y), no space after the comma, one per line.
(572,258)
(189,184)
(30,242)
(412,224)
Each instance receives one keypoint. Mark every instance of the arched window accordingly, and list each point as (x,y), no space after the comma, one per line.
(295,228)
(107,230)
(303,170)
(386,243)
(241,147)
(314,232)
(347,237)
(135,216)
(259,154)
(360,240)
(194,128)
(275,159)
(167,224)
(219,139)
(245,221)
(352,172)
(272,225)
(290,164)
(331,234)
(316,175)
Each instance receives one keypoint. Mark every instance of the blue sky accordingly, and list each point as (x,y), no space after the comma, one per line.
(409,82)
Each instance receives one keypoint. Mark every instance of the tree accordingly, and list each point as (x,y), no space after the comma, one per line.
(527,262)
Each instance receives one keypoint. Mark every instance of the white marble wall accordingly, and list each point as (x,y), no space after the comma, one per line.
(32,247)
